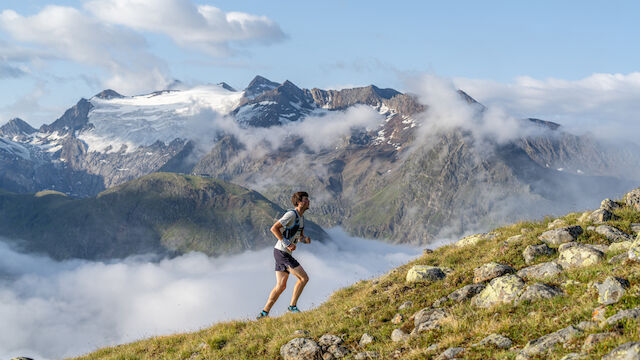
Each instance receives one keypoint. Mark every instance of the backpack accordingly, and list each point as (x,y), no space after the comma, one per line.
(290,232)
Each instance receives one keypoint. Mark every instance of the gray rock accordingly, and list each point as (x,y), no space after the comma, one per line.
(632,199)
(560,236)
(619,258)
(587,325)
(613,234)
(544,344)
(557,223)
(540,271)
(366,355)
(473,239)
(491,271)
(328,340)
(433,348)
(366,339)
(398,335)
(337,352)
(593,339)
(539,291)
(532,252)
(620,246)
(572,356)
(601,215)
(504,289)
(635,227)
(499,341)
(580,256)
(514,239)
(450,353)
(301,349)
(633,253)
(623,315)
(464,293)
(424,273)
(609,204)
(406,305)
(427,319)
(628,351)
(611,290)
(598,247)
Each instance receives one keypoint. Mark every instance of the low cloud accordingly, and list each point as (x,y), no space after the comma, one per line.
(61,309)
(10,72)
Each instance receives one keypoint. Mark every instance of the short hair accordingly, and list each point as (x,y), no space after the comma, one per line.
(297,197)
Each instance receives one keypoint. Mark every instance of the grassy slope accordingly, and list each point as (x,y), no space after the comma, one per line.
(379,300)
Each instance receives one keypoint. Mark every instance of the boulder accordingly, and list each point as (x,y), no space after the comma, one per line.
(599,247)
(593,339)
(450,353)
(491,271)
(499,341)
(557,223)
(406,305)
(365,339)
(539,291)
(398,335)
(301,349)
(634,251)
(560,236)
(532,252)
(619,258)
(610,205)
(514,239)
(425,273)
(427,319)
(623,315)
(635,227)
(501,290)
(580,256)
(632,199)
(620,246)
(464,293)
(540,271)
(587,325)
(630,350)
(584,217)
(544,344)
(601,216)
(473,239)
(613,234)
(611,290)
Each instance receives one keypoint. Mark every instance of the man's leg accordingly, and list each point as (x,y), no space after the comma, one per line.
(303,279)
(281,284)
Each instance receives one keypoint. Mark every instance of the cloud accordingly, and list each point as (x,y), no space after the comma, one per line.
(61,309)
(604,104)
(10,72)
(205,28)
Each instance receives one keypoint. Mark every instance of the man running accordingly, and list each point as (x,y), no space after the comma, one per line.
(288,230)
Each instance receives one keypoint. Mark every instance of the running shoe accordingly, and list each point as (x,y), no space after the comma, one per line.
(293,309)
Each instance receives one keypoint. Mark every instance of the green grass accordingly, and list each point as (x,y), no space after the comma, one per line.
(380,298)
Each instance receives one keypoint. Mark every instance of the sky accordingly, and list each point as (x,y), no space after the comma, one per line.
(561,60)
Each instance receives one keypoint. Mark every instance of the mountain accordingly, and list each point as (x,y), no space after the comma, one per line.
(16,127)
(488,296)
(392,180)
(161,213)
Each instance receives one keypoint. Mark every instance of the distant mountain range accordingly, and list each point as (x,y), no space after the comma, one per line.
(383,182)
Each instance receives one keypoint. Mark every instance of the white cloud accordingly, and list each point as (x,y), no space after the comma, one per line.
(60,309)
(604,104)
(205,28)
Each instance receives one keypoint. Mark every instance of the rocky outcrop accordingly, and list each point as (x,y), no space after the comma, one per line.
(540,271)
(613,234)
(630,350)
(424,273)
(490,271)
(560,236)
(580,256)
(539,291)
(545,343)
(632,199)
(501,290)
(301,349)
(611,290)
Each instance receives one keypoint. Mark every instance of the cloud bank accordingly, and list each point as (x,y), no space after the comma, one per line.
(61,309)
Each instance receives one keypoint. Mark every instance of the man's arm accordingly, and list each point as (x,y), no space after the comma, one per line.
(276,230)
(304,239)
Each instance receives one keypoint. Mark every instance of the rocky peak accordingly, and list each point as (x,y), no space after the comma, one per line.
(543,123)
(258,86)
(73,119)
(226,86)
(16,126)
(108,94)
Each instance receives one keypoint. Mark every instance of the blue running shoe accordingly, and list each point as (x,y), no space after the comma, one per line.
(293,309)
(263,314)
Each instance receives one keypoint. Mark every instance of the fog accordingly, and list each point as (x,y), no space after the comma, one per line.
(53,309)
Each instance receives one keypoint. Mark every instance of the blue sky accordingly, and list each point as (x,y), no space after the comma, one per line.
(493,49)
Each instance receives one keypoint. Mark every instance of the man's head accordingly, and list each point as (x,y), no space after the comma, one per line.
(301,197)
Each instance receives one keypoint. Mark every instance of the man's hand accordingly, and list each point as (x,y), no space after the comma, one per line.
(306,239)
(291,247)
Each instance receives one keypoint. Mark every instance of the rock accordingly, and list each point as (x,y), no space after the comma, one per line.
(572,356)
(424,273)
(473,239)
(630,350)
(491,271)
(570,282)
(635,227)
(398,335)
(620,246)
(427,319)
(365,339)
(619,258)
(539,291)
(611,290)
(465,292)
(587,325)
(515,239)
(301,349)
(406,305)
(354,310)
(533,252)
(544,344)
(613,234)
(504,289)
(433,348)
(332,344)
(591,228)
(450,353)
(560,236)
(623,315)
(599,247)
(584,217)
(328,340)
(591,340)
(499,341)
(427,251)
(525,230)
(398,319)
(580,256)
(598,314)
(540,271)
(600,216)
(634,251)
(301,333)
(609,204)
(557,223)
(366,355)
(337,352)
(632,199)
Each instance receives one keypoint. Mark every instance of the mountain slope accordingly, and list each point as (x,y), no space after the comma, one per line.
(568,318)
(160,213)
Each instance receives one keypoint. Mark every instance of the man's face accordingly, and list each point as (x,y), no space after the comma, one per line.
(305,203)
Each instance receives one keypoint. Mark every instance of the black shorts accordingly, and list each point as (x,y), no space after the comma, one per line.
(284,260)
